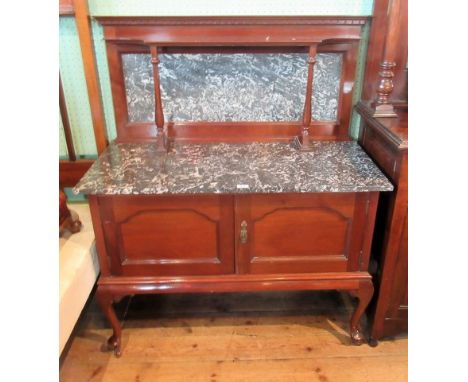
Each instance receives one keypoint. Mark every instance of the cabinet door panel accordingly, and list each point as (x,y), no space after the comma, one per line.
(310,235)
(159,231)
(150,236)
(298,233)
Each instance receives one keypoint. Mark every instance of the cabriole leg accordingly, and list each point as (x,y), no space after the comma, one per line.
(105,301)
(364,294)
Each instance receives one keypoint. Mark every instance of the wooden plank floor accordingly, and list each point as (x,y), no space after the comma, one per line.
(293,336)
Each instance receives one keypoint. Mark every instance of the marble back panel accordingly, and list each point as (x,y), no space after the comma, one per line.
(232,87)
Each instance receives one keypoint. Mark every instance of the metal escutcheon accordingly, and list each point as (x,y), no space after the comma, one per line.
(243,232)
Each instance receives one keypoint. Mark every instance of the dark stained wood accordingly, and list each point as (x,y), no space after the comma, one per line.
(233,283)
(358,283)
(70,172)
(400,79)
(327,234)
(232,131)
(226,243)
(310,79)
(97,219)
(91,74)
(158,112)
(66,220)
(232,31)
(386,68)
(307,115)
(364,294)
(105,300)
(386,141)
(193,35)
(187,235)
(66,123)
(169,244)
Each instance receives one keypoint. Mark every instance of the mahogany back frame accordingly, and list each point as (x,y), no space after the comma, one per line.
(232,35)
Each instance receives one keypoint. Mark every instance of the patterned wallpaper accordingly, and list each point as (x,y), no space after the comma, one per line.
(74,88)
(63,152)
(71,66)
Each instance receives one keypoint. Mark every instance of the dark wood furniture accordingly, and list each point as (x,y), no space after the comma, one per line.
(385,94)
(386,141)
(233,243)
(229,240)
(385,81)
(66,220)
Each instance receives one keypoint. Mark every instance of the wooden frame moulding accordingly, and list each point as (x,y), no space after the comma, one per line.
(153,36)
(90,70)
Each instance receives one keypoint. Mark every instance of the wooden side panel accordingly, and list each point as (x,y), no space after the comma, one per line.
(171,235)
(70,172)
(389,309)
(300,233)
(385,156)
(396,316)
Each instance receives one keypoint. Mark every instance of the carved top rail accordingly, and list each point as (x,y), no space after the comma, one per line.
(155,36)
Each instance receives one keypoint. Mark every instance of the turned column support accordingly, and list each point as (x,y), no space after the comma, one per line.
(158,109)
(382,104)
(303,140)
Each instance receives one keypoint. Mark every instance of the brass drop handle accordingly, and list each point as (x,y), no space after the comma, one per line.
(243,232)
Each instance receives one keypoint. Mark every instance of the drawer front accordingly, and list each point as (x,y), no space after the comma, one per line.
(164,236)
(300,233)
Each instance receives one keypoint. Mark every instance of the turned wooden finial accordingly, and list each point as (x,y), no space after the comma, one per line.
(382,104)
(303,140)
(158,109)
(383,107)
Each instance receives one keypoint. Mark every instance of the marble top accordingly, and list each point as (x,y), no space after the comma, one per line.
(232,168)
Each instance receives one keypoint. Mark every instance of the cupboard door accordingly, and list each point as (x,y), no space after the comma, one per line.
(173,235)
(300,233)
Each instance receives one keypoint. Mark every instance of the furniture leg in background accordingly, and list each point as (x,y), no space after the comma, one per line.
(66,220)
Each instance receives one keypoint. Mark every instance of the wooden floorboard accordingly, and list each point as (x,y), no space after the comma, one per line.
(294,336)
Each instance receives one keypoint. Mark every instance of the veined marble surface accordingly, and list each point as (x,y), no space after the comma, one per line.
(232,87)
(231,168)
